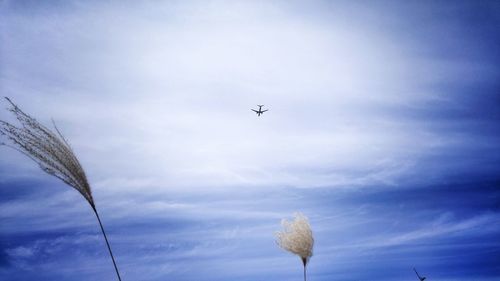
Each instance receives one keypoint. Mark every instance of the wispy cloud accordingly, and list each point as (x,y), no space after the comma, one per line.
(435,231)
(170,85)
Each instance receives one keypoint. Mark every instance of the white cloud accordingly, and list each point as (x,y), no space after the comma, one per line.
(163,94)
(20,252)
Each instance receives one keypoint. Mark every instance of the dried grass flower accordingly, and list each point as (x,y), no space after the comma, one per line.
(297,238)
(52,153)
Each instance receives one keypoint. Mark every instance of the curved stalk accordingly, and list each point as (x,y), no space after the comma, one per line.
(107,243)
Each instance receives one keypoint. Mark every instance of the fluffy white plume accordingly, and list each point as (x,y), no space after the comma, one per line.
(297,237)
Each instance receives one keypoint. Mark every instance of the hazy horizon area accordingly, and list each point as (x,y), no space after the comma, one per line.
(383,129)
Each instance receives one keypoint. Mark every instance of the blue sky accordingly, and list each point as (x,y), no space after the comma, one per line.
(383,129)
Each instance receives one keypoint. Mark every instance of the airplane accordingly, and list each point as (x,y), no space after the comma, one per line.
(260,111)
(419,277)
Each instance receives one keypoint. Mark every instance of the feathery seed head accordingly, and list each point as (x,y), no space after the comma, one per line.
(48,149)
(297,237)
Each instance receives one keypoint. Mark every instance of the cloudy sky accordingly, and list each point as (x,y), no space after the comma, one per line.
(383,128)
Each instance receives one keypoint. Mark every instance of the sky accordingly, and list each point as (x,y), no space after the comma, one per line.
(383,129)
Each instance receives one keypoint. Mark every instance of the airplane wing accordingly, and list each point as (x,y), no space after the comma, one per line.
(264,110)
(254,110)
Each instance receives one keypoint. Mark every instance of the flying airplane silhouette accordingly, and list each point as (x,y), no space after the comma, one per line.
(419,277)
(260,111)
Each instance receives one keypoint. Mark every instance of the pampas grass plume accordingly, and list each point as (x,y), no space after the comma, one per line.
(297,238)
(52,153)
